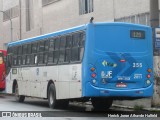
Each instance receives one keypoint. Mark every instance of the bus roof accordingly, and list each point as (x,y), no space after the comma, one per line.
(74,29)
(36,38)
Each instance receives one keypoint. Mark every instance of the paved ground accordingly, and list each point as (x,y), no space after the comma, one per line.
(75,110)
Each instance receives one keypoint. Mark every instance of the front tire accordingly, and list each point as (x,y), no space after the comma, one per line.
(101,103)
(19,98)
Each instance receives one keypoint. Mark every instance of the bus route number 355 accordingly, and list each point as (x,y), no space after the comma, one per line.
(137,65)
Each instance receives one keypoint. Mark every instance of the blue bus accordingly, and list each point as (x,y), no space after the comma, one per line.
(96,62)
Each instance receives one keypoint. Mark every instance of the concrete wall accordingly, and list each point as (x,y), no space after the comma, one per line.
(1,21)
(130,7)
(65,14)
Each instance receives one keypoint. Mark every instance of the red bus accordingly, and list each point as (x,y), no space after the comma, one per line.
(3,55)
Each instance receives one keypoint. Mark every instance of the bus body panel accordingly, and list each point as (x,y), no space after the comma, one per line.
(33,81)
(120,67)
(3,55)
(120,62)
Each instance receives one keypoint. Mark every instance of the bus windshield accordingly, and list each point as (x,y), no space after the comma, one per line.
(1,58)
(123,38)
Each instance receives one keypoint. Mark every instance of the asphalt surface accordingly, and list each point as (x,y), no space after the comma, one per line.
(35,108)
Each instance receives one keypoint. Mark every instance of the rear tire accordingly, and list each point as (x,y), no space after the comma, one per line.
(52,96)
(19,98)
(101,103)
(52,101)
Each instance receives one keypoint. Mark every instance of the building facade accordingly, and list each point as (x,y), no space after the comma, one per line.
(20,19)
(36,17)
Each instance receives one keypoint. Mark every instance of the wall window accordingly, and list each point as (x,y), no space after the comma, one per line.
(29,14)
(11,13)
(47,2)
(143,19)
(85,6)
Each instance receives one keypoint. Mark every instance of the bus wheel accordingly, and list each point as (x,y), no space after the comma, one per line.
(52,96)
(19,98)
(101,103)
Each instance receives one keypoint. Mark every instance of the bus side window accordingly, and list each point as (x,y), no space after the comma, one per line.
(76,40)
(29,49)
(68,48)
(23,59)
(40,58)
(34,48)
(46,45)
(55,57)
(33,59)
(14,60)
(50,57)
(19,50)
(75,48)
(15,51)
(50,53)
(45,57)
(28,59)
(24,49)
(51,44)
(56,50)
(81,44)
(46,48)
(82,39)
(62,49)
(56,43)
(41,46)
(19,55)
